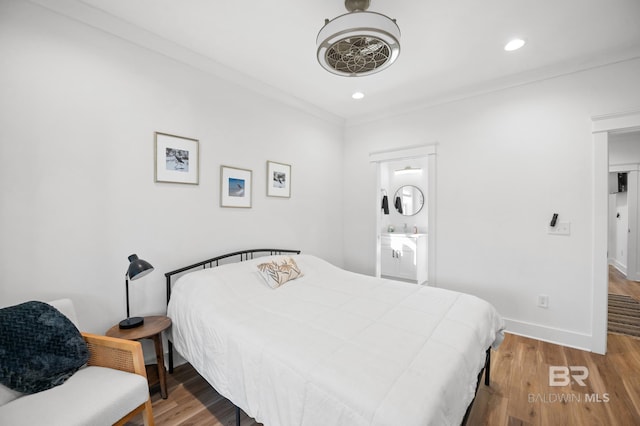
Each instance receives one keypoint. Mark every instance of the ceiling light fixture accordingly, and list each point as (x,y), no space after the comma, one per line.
(357,95)
(358,43)
(514,44)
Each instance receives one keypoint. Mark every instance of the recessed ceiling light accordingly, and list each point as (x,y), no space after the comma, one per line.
(357,95)
(514,44)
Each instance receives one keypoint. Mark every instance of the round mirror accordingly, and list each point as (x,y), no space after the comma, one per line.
(408,200)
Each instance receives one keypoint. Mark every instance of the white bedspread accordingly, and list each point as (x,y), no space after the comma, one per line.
(333,348)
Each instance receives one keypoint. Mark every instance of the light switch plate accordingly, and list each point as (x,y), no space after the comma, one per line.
(561,228)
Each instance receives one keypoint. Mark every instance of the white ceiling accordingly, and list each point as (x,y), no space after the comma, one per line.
(449,49)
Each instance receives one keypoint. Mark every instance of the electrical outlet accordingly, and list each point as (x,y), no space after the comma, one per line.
(561,228)
(543,301)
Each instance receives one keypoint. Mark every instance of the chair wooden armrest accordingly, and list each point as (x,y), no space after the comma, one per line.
(111,352)
(123,355)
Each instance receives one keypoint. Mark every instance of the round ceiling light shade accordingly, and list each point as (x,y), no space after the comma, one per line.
(358,43)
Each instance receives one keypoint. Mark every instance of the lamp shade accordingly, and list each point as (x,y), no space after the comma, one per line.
(138,268)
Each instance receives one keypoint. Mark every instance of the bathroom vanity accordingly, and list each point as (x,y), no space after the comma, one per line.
(404,256)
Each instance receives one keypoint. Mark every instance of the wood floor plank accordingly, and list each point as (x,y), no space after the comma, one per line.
(619,284)
(632,386)
(552,356)
(522,383)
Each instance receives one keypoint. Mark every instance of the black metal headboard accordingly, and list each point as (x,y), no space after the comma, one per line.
(215,261)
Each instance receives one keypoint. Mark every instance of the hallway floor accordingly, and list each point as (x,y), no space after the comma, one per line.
(618,284)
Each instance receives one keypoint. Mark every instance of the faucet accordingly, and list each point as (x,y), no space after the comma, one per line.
(404,227)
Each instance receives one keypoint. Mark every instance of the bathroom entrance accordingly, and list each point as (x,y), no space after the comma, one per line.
(405,221)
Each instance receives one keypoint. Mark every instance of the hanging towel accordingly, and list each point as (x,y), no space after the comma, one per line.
(385,204)
(398,204)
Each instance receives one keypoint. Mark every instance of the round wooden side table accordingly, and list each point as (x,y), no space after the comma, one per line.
(151,329)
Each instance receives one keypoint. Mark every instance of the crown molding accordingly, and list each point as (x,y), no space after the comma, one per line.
(103,21)
(508,82)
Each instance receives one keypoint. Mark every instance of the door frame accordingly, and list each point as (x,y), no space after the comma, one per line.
(601,127)
(632,236)
(427,151)
(632,268)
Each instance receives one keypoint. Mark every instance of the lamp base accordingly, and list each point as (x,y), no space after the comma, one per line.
(132,322)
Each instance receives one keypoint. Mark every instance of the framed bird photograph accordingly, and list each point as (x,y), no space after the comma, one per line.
(278,179)
(177,159)
(235,187)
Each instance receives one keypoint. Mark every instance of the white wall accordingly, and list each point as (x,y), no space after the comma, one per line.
(620,218)
(624,148)
(78,112)
(506,162)
(78,109)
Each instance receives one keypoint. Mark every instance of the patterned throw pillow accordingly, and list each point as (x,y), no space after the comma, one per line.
(276,273)
(39,347)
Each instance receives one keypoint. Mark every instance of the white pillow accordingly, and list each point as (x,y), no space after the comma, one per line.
(276,273)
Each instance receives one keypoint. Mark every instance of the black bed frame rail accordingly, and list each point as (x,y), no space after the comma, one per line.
(211,263)
(487,381)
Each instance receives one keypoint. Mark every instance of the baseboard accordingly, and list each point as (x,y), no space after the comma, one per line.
(553,335)
(619,266)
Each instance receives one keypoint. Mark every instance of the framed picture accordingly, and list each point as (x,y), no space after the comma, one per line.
(235,187)
(278,179)
(177,159)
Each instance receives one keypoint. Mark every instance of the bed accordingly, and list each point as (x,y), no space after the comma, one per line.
(331,347)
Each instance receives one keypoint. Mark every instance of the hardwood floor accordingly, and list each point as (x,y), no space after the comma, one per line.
(618,284)
(192,401)
(519,394)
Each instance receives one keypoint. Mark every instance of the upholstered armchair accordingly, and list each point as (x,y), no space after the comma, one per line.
(110,389)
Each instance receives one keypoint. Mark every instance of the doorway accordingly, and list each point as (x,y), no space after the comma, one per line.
(603,127)
(624,167)
(623,305)
(406,214)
